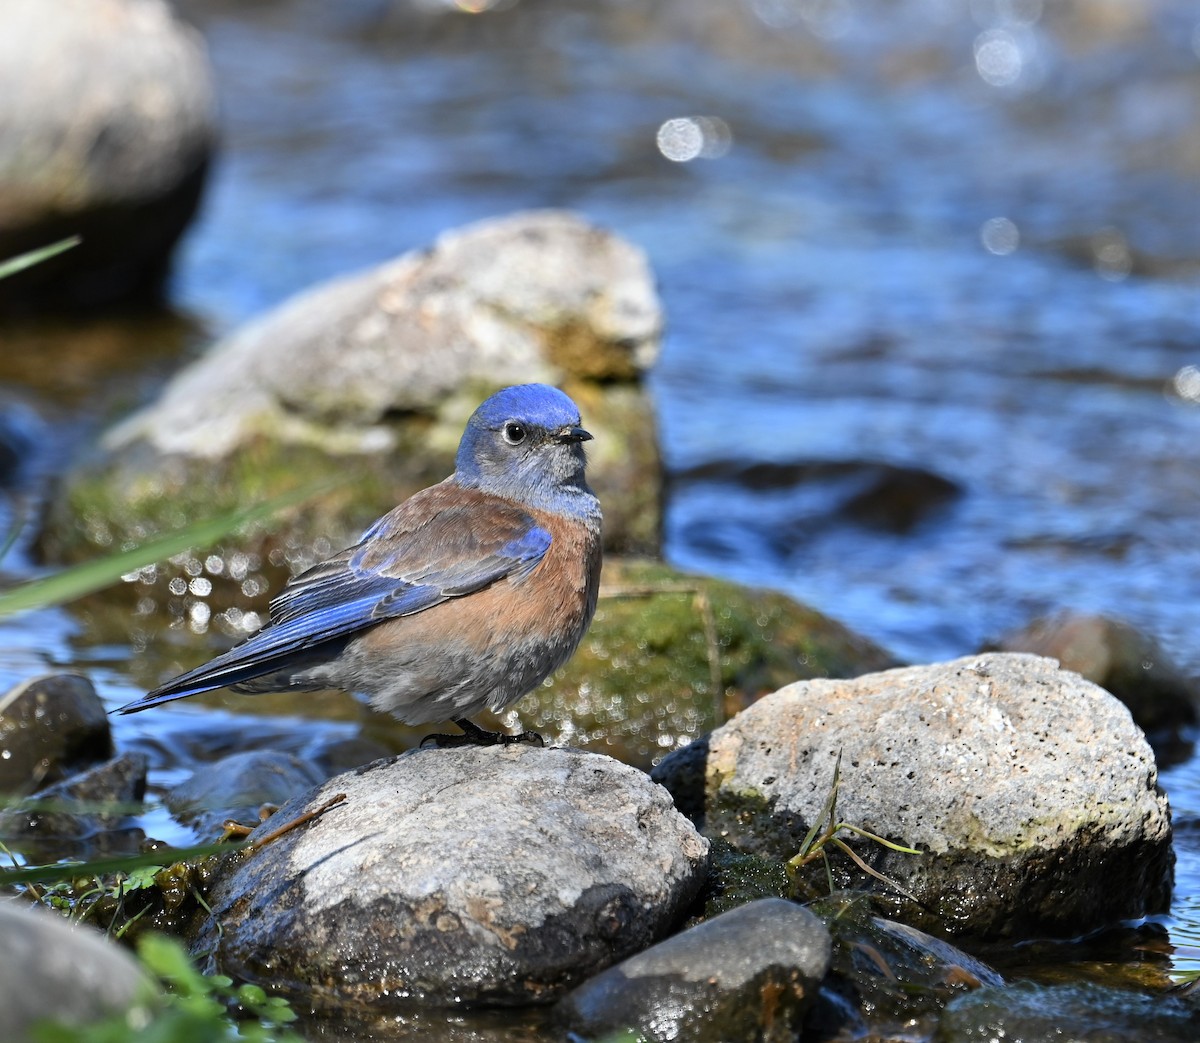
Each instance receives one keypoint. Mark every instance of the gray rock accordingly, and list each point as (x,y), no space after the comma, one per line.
(750,973)
(72,975)
(50,726)
(1035,1013)
(237,787)
(498,875)
(107,124)
(1120,659)
(539,296)
(377,373)
(1030,792)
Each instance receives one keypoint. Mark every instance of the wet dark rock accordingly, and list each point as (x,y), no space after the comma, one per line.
(750,973)
(22,437)
(51,970)
(237,787)
(1035,1013)
(49,727)
(123,171)
(375,374)
(1030,792)
(1118,657)
(335,755)
(500,875)
(881,496)
(888,979)
(82,815)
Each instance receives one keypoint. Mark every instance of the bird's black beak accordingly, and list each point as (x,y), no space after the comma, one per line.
(572,434)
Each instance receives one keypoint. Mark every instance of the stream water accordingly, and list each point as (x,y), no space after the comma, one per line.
(958,237)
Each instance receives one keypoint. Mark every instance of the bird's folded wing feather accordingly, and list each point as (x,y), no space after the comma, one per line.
(441,544)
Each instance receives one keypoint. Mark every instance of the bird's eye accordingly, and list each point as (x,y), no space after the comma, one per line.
(515,433)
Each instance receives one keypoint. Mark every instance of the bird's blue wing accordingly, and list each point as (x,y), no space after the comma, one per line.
(439,545)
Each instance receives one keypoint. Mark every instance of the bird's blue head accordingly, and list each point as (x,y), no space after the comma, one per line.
(526,443)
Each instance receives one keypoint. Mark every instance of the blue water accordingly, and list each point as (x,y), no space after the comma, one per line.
(958,237)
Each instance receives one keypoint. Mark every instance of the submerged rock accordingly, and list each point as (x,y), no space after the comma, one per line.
(1119,658)
(1033,1013)
(500,875)
(81,816)
(237,787)
(375,374)
(750,973)
(887,979)
(49,727)
(53,971)
(1030,793)
(107,126)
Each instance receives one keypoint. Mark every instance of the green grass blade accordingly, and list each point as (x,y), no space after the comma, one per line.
(848,850)
(78,580)
(868,835)
(28,260)
(67,871)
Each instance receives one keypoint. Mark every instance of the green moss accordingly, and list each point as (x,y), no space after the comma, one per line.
(123,502)
(670,656)
(736,877)
(119,500)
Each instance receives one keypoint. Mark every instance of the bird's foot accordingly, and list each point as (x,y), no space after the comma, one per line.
(473,735)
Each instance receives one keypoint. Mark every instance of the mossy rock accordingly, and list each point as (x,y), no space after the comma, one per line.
(120,499)
(671,655)
(371,377)
(668,657)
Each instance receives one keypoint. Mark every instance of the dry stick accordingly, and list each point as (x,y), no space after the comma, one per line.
(299,820)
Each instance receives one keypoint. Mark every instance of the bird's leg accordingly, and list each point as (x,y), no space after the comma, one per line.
(473,735)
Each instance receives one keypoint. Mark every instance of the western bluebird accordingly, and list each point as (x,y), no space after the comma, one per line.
(465,596)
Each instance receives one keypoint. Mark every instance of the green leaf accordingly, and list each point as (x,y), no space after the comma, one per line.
(252,995)
(28,260)
(57,871)
(91,576)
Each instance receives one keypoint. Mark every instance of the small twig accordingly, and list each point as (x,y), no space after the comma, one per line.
(714,656)
(299,820)
(646,592)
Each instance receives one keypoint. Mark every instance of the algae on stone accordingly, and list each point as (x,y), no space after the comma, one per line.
(670,656)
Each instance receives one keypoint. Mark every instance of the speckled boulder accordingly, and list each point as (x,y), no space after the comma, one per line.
(498,875)
(1030,792)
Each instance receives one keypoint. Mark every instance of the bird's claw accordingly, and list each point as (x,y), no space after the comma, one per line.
(473,735)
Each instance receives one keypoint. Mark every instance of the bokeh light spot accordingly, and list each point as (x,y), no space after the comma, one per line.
(998,58)
(694,137)
(1186,383)
(999,236)
(1111,255)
